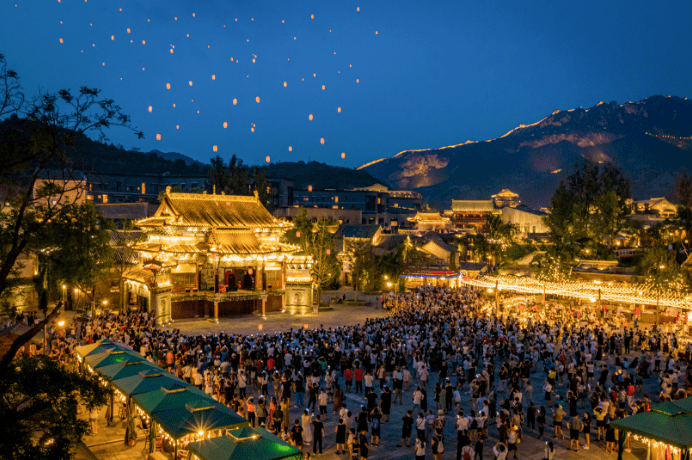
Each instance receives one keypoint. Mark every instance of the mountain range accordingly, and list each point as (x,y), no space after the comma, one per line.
(650,140)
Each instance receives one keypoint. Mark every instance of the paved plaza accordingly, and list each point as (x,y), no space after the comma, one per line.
(108,444)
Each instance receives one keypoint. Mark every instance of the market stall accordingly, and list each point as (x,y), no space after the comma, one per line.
(243,444)
(666,430)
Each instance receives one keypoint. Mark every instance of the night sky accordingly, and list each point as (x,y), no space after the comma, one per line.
(405,74)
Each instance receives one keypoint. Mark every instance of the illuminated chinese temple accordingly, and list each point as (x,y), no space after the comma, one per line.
(215,255)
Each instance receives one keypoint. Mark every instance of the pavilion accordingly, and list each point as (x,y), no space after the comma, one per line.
(216,255)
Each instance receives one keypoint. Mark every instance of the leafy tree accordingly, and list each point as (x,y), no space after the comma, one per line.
(38,408)
(36,178)
(588,209)
(663,274)
(81,253)
(362,264)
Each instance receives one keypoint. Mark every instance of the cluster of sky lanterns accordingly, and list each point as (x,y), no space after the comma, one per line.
(213,77)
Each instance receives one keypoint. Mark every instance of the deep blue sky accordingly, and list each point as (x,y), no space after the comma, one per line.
(436,73)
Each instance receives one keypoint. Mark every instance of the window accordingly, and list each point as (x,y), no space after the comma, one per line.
(105,198)
(306,198)
(144,188)
(118,187)
(90,197)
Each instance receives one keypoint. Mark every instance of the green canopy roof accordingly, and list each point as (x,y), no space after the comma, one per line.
(190,420)
(244,444)
(96,347)
(128,369)
(148,380)
(667,422)
(107,358)
(161,400)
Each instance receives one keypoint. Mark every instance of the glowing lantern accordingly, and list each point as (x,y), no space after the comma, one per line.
(343,155)
(314,74)
(168,86)
(358,8)
(312,16)
(150,109)
(128,30)
(375,32)
(285,84)
(310,117)
(253,60)
(267,159)
(112,37)
(290,149)
(190,82)
(215,148)
(282,21)
(158,137)
(309,188)
(193,15)
(252,130)
(144,42)
(322,140)
(357,80)
(338,109)
(213,77)
(171,51)
(235,101)
(61,40)
(225,124)
(322,87)
(177,126)
(257,99)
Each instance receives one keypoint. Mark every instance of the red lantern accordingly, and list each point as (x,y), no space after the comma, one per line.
(329,251)
(298,234)
(249,271)
(306,326)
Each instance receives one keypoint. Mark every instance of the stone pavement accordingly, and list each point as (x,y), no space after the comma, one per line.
(108,444)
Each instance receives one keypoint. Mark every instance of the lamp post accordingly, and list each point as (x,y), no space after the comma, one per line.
(64,293)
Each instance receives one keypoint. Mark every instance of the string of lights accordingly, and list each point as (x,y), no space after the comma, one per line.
(622,293)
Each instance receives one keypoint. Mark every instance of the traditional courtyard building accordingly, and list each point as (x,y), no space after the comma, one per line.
(217,255)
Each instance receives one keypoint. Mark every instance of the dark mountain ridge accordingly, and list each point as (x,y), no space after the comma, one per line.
(650,140)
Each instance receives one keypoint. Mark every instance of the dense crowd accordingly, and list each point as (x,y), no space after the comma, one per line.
(465,375)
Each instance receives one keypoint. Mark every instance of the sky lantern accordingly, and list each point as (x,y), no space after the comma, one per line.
(252,130)
(376,32)
(144,42)
(285,84)
(171,50)
(158,137)
(312,16)
(177,126)
(112,37)
(290,149)
(190,82)
(257,99)
(168,86)
(61,40)
(314,75)
(128,30)
(338,109)
(322,87)
(322,140)
(357,80)
(150,109)
(343,155)
(309,188)
(267,159)
(215,148)
(213,77)
(235,101)
(358,8)
(310,117)
(225,124)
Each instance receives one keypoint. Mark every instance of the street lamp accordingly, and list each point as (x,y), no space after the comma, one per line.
(64,293)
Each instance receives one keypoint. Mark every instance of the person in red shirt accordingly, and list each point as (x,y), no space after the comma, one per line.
(359,379)
(348,376)
(270,365)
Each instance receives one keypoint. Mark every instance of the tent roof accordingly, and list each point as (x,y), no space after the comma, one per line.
(108,357)
(181,422)
(147,381)
(161,400)
(122,370)
(94,348)
(661,425)
(242,445)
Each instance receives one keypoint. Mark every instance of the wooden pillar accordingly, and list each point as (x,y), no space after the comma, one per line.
(264,306)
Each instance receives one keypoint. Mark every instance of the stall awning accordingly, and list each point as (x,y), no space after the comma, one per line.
(245,444)
(162,400)
(669,422)
(145,382)
(181,422)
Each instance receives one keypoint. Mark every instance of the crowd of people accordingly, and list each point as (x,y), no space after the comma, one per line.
(465,379)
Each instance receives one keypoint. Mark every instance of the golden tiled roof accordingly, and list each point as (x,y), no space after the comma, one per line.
(217,211)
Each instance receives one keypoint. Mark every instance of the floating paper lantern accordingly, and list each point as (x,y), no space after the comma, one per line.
(213,77)
(357,80)
(312,16)
(290,149)
(310,117)
(343,155)
(61,40)
(158,137)
(322,87)
(322,140)
(358,8)
(309,188)
(225,124)
(235,101)
(285,84)
(144,42)
(267,159)
(177,126)
(112,37)
(338,109)
(168,86)
(190,82)
(128,30)
(150,108)
(257,99)
(215,148)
